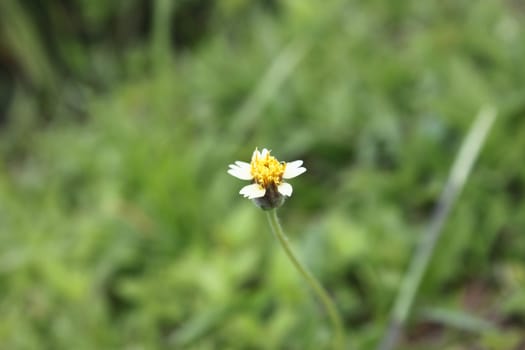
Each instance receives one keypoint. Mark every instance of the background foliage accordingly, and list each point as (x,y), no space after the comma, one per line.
(119,227)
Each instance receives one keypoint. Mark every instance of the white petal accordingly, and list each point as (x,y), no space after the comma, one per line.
(242,164)
(253,191)
(285,189)
(240,173)
(293,169)
(295,164)
(256,154)
(264,152)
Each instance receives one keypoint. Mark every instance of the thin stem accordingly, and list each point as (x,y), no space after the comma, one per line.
(418,266)
(310,279)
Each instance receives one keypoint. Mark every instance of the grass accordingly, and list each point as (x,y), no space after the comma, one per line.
(120,228)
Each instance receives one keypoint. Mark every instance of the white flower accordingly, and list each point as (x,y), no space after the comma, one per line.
(266,174)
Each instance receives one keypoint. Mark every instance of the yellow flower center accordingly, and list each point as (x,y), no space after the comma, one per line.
(267,170)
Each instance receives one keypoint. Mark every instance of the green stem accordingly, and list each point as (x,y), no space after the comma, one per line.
(310,279)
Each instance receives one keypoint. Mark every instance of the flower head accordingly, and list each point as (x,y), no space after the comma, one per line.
(268,188)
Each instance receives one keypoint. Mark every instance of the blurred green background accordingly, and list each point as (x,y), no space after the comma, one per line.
(120,228)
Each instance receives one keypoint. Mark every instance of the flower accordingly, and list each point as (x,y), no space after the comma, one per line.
(266,173)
